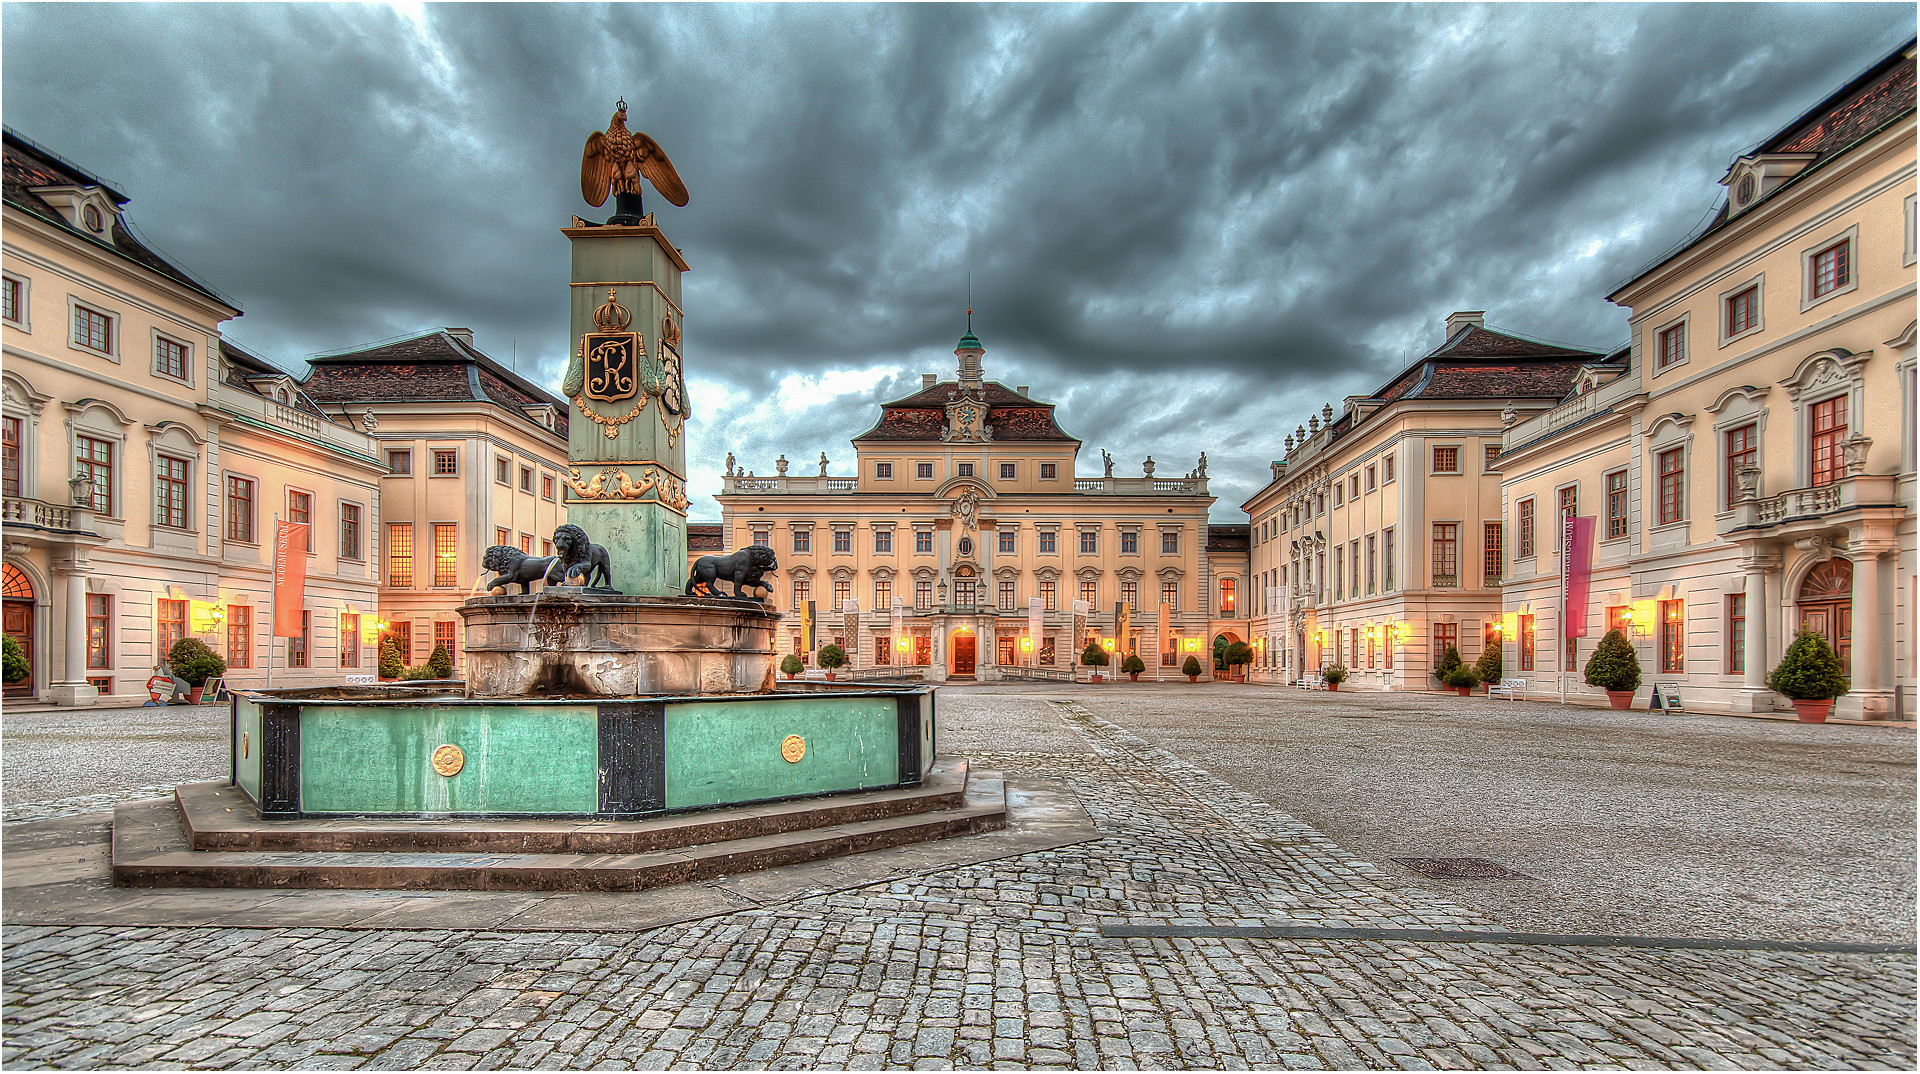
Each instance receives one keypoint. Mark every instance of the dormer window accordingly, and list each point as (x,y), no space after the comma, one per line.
(1744,194)
(1752,178)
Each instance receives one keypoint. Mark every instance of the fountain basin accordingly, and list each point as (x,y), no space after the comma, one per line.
(345,752)
(568,640)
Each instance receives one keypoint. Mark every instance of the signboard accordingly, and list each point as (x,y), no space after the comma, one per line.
(289,579)
(1576,573)
(1081,609)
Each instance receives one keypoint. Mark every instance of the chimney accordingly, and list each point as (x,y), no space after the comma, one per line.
(1022,389)
(928,380)
(1457,321)
(464,335)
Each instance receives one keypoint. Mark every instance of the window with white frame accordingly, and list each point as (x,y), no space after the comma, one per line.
(1740,310)
(13,300)
(93,329)
(883,471)
(1828,269)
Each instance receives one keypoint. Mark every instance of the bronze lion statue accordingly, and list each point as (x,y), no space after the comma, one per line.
(580,556)
(743,568)
(515,567)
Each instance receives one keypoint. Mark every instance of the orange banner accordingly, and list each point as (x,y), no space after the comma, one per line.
(289,578)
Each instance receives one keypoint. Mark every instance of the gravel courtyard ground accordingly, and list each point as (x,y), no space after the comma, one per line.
(1221,808)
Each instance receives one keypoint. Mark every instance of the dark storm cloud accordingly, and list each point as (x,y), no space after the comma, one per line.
(1188,226)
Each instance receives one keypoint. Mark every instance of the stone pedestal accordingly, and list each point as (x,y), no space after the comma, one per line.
(589,645)
(626,482)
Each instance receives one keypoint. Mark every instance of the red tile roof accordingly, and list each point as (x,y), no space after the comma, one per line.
(431,367)
(706,537)
(922,415)
(1482,363)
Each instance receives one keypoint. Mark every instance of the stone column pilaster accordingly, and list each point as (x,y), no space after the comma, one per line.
(1754,695)
(72,689)
(1871,695)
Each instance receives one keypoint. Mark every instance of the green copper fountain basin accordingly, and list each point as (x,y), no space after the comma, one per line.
(429,752)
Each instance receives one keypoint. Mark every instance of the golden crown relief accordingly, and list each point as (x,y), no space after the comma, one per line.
(612,316)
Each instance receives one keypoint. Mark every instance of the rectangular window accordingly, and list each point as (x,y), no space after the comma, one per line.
(526,479)
(1353,575)
(14,428)
(1526,643)
(1130,593)
(502,535)
(1446,554)
(1742,449)
(1339,493)
(1743,311)
(883,471)
(546,486)
(443,636)
(1491,463)
(94,461)
(802,540)
(170,492)
(1445,636)
(10,299)
(349,640)
(1170,594)
(169,358)
(1339,574)
(923,470)
(1617,620)
(239,637)
(1829,428)
(1373,563)
(922,650)
(297,645)
(1832,269)
(446,554)
(170,625)
(1005,647)
(400,461)
(1736,633)
(882,650)
(1089,542)
(1672,493)
(1090,592)
(446,462)
(503,471)
(1446,460)
(1227,595)
(1569,502)
(1005,539)
(802,592)
(882,594)
(1673,637)
(963,592)
(843,540)
(240,509)
(965,469)
(92,329)
(1047,597)
(923,540)
(1373,647)
(1492,556)
(99,631)
(526,543)
(1007,470)
(1373,472)
(546,547)
(1129,543)
(350,531)
(922,593)
(299,508)
(1006,594)
(1616,505)
(842,593)
(1386,554)
(1524,523)
(1169,542)
(883,541)
(1353,487)
(400,554)
(1049,471)
(1387,469)
(1673,344)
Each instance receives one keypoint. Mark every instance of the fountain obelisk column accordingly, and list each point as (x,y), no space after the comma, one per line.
(627,396)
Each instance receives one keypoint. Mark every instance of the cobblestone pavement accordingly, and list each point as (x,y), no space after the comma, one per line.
(997,964)
(58,760)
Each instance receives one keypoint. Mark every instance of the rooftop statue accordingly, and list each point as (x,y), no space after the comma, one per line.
(616,159)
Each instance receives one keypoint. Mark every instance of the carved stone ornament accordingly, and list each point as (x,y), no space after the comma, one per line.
(1147,466)
(1747,478)
(780,466)
(967,510)
(369,422)
(967,417)
(1854,448)
(1508,415)
(615,483)
(616,160)
(729,464)
(823,464)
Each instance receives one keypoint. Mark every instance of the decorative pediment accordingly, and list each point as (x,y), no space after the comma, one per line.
(798,572)
(1746,392)
(1129,574)
(883,574)
(1088,572)
(1825,369)
(1673,423)
(1170,572)
(1903,341)
(843,574)
(173,430)
(81,406)
(19,394)
(1006,572)
(1046,574)
(954,487)
(924,572)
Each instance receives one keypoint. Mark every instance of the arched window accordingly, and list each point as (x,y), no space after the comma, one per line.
(17,585)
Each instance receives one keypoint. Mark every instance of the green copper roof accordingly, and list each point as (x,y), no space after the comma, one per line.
(968,342)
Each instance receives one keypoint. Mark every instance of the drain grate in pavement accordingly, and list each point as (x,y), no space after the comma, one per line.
(1461,869)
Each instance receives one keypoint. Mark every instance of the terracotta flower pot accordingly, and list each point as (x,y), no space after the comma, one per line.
(829,676)
(1134,675)
(1620,699)
(194,692)
(1193,678)
(1812,711)
(789,674)
(1464,691)
(1334,686)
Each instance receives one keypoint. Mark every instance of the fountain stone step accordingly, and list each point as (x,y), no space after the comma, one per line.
(151,849)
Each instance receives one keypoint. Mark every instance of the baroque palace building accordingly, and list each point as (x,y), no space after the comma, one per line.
(473,455)
(147,460)
(1380,541)
(1751,469)
(964,507)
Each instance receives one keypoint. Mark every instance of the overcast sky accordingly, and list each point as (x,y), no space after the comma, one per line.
(1189,227)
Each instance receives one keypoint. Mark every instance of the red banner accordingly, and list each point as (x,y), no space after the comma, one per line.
(289,578)
(1576,557)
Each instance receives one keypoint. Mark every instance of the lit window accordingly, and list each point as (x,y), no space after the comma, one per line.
(1047,596)
(1227,595)
(923,593)
(446,554)
(1170,594)
(99,631)
(239,636)
(1829,428)
(1006,594)
(400,554)
(349,640)
(1673,636)
(1129,594)
(882,594)
(170,492)
(171,619)
(546,486)
(502,535)
(526,543)
(1090,592)
(842,592)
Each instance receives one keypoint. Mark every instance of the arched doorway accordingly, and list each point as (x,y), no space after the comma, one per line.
(1220,643)
(1825,606)
(962,652)
(17,590)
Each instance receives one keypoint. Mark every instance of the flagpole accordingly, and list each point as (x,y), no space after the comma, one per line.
(1566,546)
(273,604)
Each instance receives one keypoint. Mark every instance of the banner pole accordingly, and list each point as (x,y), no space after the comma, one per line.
(1566,546)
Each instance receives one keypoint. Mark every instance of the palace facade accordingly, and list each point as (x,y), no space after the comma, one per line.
(147,461)
(964,541)
(1750,468)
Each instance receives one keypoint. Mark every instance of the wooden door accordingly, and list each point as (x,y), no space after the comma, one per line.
(1834,622)
(963,659)
(18,622)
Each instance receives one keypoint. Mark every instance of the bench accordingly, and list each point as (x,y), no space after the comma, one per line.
(1511,689)
(1311,684)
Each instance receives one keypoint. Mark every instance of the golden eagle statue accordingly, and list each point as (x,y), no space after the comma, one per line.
(616,158)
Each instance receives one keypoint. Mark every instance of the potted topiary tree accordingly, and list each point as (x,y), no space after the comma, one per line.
(391,666)
(831,657)
(1615,668)
(1239,655)
(1095,657)
(791,665)
(1133,666)
(1463,679)
(1449,663)
(440,662)
(1333,675)
(13,661)
(1487,668)
(195,663)
(1809,675)
(1191,669)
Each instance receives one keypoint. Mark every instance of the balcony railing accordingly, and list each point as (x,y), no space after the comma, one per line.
(295,418)
(20,511)
(812,485)
(1812,505)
